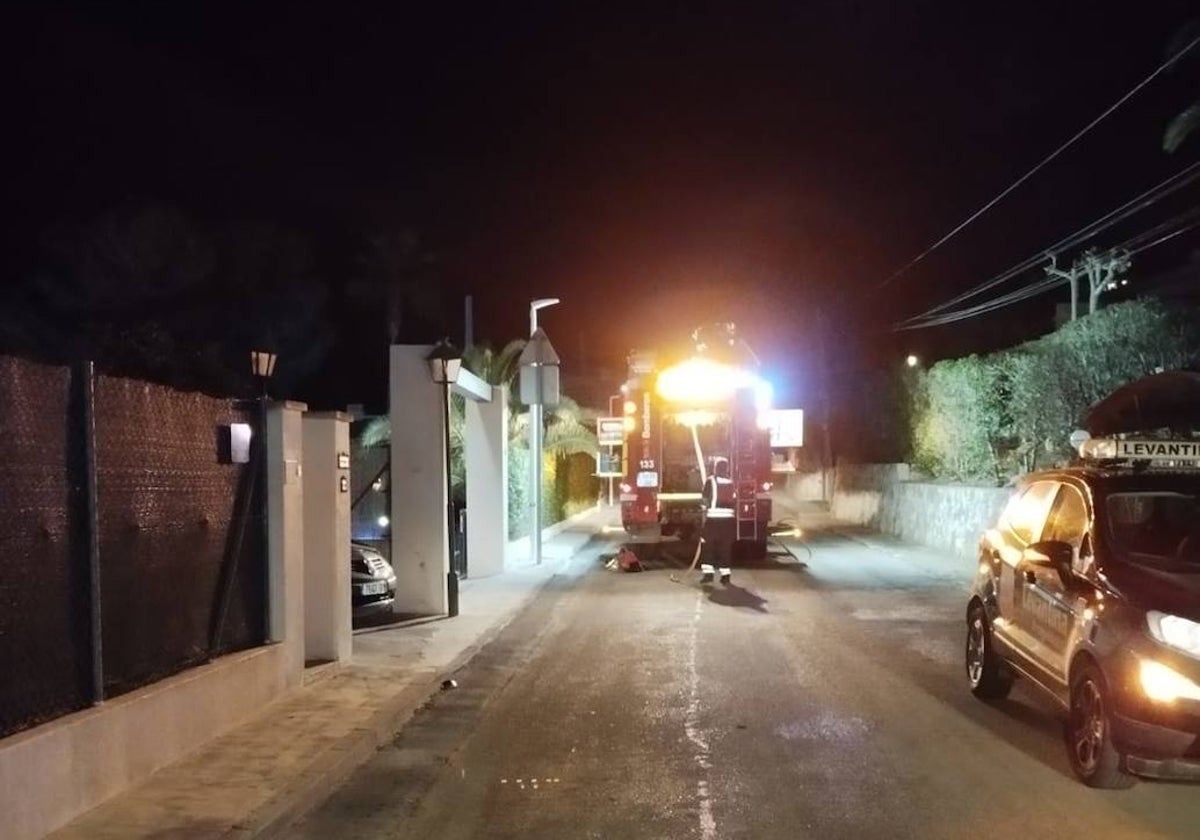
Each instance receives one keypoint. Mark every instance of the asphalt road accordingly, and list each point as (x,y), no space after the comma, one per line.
(821,695)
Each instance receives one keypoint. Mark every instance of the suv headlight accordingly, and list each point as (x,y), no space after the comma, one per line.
(1173,631)
(1164,684)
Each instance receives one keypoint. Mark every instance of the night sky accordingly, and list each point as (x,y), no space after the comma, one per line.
(655,165)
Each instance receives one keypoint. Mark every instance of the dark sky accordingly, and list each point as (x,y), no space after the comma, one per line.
(655,165)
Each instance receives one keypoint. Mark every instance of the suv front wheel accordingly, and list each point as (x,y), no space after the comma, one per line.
(1094,758)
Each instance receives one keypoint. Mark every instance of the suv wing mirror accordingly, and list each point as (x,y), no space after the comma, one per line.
(1055,554)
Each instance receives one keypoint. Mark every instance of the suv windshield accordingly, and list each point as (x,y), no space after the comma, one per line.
(1156,526)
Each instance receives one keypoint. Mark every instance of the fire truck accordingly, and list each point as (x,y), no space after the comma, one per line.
(680,418)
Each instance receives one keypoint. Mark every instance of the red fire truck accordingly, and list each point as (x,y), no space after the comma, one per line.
(680,418)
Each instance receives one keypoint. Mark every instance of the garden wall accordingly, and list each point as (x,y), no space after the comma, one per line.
(892,499)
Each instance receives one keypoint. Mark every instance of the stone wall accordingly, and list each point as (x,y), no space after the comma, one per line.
(951,517)
(893,500)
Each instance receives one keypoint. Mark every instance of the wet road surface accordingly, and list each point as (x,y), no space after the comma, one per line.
(821,695)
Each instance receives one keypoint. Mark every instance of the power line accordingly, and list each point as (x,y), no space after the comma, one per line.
(1040,286)
(1163,239)
(1133,244)
(1062,148)
(1032,290)
(1146,199)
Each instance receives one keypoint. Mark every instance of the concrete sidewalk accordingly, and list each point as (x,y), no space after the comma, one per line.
(261,777)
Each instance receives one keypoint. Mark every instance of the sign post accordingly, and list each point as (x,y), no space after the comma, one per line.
(539,387)
(610,434)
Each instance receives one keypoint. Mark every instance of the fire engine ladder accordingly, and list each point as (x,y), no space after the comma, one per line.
(745,475)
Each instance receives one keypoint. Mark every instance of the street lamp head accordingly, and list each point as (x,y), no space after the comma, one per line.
(262,363)
(912,361)
(534,306)
(444,361)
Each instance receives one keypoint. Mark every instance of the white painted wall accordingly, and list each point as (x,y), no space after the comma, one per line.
(327,631)
(420,550)
(814,486)
(487,484)
(285,530)
(53,773)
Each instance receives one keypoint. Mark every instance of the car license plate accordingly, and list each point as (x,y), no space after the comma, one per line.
(376,588)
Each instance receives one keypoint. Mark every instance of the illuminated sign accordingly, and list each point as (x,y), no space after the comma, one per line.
(610,431)
(786,426)
(1142,450)
(1175,450)
(608,465)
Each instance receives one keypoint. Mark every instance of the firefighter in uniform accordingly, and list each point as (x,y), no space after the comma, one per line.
(719,527)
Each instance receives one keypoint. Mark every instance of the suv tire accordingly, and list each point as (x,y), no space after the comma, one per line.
(1088,731)
(989,676)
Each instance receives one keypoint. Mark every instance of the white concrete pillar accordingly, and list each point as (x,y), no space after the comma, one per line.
(487,484)
(327,631)
(285,533)
(420,547)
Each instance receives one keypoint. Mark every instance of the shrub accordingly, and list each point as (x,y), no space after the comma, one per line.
(996,416)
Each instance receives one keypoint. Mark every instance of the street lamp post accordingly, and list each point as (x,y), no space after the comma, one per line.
(535,443)
(444,362)
(262,365)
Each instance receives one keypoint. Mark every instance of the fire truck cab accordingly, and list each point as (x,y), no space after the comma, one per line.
(679,419)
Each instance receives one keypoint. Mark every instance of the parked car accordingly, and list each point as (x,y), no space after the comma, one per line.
(372,581)
(1089,588)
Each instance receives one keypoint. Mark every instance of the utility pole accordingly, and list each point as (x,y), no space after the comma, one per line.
(823,398)
(1103,272)
(1071,275)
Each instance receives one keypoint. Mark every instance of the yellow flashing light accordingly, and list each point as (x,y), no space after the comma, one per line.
(700,381)
(697,381)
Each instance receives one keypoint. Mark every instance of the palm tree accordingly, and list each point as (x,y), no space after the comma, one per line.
(495,368)
(1187,121)
(568,431)
(1184,123)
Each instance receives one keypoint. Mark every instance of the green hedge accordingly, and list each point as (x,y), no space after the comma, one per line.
(518,492)
(568,487)
(988,418)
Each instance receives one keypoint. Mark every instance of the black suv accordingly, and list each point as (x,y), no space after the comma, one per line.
(1089,587)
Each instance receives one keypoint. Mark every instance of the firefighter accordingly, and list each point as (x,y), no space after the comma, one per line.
(719,527)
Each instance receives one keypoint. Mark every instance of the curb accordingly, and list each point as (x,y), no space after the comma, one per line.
(334,765)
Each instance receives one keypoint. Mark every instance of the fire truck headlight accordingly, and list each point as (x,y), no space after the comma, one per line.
(766,487)
(626,487)
(630,424)
(630,407)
